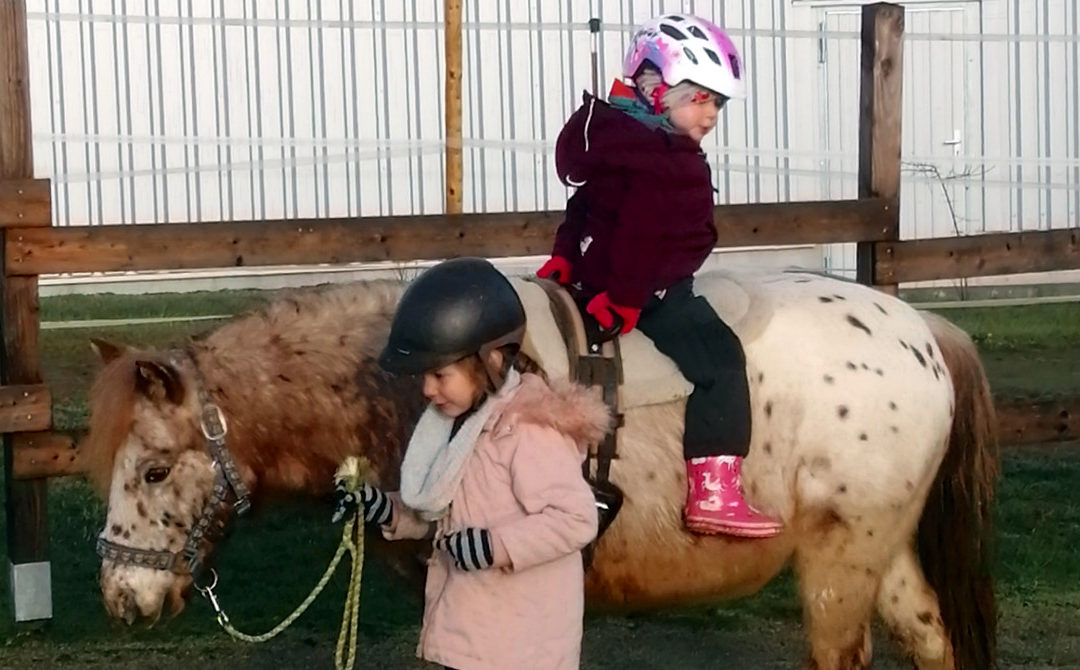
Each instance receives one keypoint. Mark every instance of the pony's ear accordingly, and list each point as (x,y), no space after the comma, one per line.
(159,382)
(106,351)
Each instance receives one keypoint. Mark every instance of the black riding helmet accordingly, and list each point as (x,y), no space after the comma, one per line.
(459,307)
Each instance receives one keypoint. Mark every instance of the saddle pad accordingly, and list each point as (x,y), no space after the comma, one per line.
(649,377)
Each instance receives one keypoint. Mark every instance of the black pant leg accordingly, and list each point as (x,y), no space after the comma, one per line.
(687,329)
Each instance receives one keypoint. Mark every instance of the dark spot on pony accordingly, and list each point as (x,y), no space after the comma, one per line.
(842,488)
(825,298)
(651,477)
(116,529)
(904,344)
(829,379)
(838,296)
(127,534)
(909,486)
(768,408)
(879,372)
(919,357)
(851,366)
(862,437)
(894,429)
(864,366)
(895,599)
(284,379)
(929,350)
(760,377)
(869,533)
(858,324)
(141,509)
(892,405)
(768,447)
(842,411)
(925,618)
(881,309)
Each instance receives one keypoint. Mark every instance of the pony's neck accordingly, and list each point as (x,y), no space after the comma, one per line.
(300,397)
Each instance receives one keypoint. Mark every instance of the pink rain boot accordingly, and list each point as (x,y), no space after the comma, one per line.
(715,503)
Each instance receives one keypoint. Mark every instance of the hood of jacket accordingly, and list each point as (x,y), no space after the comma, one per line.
(598,138)
(574,410)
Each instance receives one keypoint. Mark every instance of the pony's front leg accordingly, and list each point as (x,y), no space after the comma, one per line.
(839,573)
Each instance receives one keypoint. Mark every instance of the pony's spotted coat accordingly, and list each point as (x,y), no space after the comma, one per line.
(853,396)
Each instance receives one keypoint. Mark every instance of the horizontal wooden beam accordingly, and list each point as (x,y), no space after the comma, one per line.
(25,203)
(1030,422)
(401,238)
(979,255)
(37,455)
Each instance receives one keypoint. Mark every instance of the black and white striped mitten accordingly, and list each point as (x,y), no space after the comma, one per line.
(378,508)
(471,548)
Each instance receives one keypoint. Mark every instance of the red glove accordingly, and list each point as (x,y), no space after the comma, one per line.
(557,268)
(603,310)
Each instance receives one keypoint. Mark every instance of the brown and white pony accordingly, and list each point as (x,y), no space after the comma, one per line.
(873,441)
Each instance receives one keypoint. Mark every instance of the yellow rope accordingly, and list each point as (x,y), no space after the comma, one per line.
(353,471)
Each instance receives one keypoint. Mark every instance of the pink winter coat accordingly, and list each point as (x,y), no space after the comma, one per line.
(523,483)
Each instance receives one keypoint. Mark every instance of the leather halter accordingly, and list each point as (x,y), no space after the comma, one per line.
(229,496)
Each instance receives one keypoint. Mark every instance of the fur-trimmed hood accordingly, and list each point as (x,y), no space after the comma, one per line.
(574,410)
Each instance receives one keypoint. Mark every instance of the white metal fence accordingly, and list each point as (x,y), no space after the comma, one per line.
(200,110)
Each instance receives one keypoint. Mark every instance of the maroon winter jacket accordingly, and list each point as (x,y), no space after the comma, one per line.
(642,217)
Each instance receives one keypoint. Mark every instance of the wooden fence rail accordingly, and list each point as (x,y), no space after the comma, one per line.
(395,238)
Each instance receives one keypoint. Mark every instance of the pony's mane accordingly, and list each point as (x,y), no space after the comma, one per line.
(335,326)
(112,410)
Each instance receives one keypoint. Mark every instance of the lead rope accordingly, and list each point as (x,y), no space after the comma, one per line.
(352,472)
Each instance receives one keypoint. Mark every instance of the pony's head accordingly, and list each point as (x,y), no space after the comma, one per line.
(145,452)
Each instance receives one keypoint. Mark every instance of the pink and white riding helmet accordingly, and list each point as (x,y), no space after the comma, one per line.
(687,48)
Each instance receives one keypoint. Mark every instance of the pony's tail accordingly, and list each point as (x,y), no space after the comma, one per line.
(956,528)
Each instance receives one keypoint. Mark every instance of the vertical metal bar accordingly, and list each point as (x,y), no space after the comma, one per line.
(217,115)
(784,87)
(440,100)
(504,101)
(541,107)
(375,106)
(479,154)
(410,100)
(418,184)
(345,111)
(63,119)
(513,176)
(292,119)
(161,115)
(1046,97)
(1018,217)
(314,116)
(387,154)
(196,149)
(54,186)
(184,106)
(355,107)
(83,79)
(278,29)
(258,109)
(130,131)
(150,108)
(248,103)
(1075,184)
(533,124)
(322,114)
(757,108)
(225,108)
(982,111)
(726,124)
(94,108)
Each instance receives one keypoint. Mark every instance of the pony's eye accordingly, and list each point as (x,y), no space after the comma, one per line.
(156,475)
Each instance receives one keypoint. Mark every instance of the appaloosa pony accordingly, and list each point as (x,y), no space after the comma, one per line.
(873,440)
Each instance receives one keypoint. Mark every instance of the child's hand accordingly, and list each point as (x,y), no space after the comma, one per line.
(471,548)
(377,506)
(557,268)
(603,310)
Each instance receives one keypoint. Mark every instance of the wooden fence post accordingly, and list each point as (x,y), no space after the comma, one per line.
(880,121)
(27,531)
(454,161)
